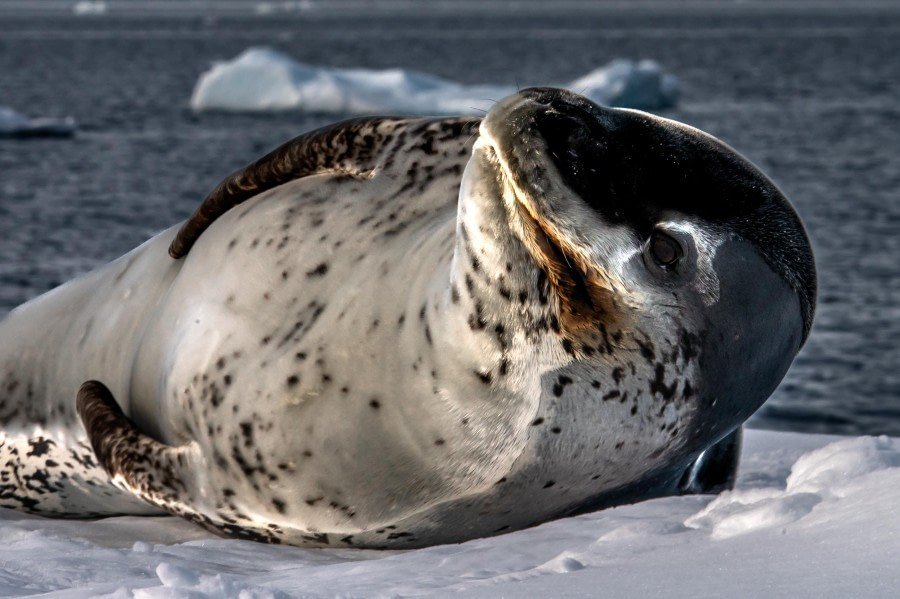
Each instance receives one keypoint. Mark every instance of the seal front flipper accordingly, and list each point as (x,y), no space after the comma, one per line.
(354,148)
(157,473)
(714,470)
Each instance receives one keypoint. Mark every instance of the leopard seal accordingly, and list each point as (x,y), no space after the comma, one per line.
(401,332)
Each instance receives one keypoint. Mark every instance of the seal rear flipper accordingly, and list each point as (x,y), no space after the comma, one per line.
(153,471)
(54,476)
(714,470)
(166,476)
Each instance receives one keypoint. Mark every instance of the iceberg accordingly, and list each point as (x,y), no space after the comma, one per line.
(17,125)
(90,7)
(262,79)
(810,516)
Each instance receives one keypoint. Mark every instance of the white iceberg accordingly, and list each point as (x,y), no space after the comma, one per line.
(811,516)
(17,125)
(284,6)
(90,7)
(262,79)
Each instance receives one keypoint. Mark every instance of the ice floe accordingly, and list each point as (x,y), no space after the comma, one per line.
(811,516)
(90,7)
(262,79)
(16,124)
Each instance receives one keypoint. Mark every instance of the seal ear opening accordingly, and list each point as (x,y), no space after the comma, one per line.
(136,462)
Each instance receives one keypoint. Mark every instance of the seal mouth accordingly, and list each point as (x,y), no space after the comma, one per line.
(565,271)
(580,285)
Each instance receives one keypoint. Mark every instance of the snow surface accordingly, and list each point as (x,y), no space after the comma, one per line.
(262,79)
(16,124)
(812,516)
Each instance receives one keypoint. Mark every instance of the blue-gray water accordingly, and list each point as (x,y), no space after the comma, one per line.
(810,93)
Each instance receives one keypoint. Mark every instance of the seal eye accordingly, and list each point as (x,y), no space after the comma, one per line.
(664,250)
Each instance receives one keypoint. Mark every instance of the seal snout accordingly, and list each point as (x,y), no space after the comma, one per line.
(548,147)
(555,147)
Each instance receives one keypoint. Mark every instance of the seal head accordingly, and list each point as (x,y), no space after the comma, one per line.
(651,231)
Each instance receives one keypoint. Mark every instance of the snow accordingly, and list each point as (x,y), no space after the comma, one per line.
(811,516)
(262,79)
(16,124)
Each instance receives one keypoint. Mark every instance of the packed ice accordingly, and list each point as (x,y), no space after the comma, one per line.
(811,516)
(262,79)
(16,124)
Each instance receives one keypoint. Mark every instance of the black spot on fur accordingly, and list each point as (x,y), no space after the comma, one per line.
(484,377)
(318,271)
(39,446)
(688,343)
(646,350)
(561,384)
(658,384)
(554,324)
(504,366)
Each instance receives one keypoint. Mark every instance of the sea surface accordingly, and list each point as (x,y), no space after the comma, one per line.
(809,91)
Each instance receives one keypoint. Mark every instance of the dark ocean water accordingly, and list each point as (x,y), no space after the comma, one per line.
(811,93)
